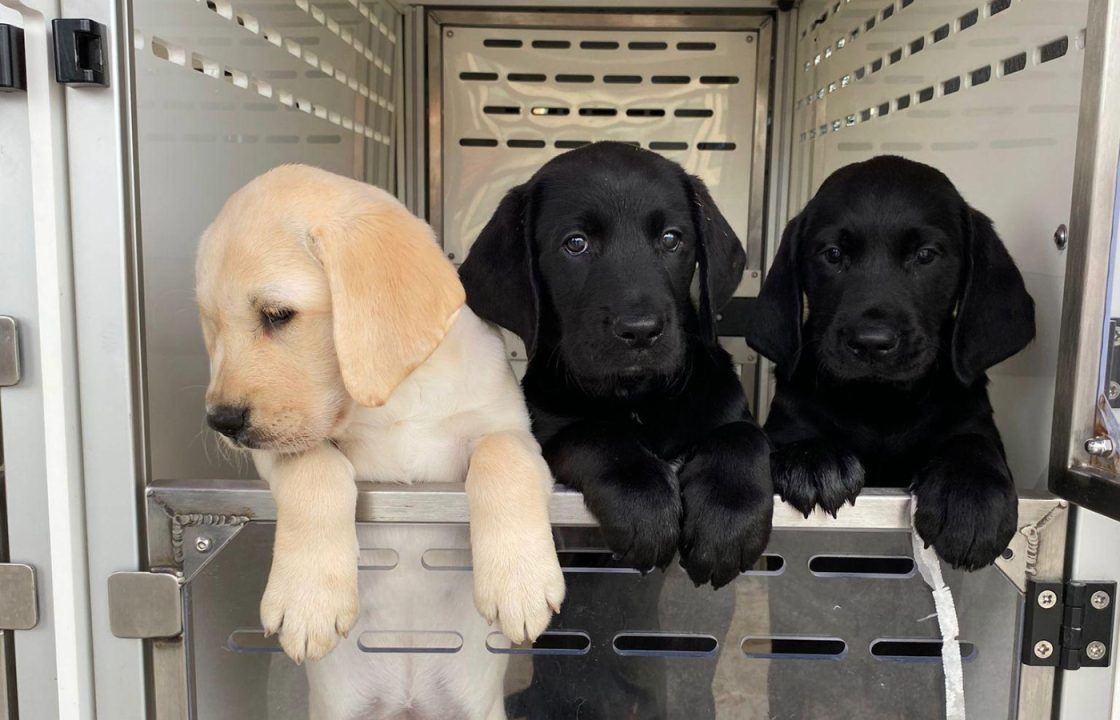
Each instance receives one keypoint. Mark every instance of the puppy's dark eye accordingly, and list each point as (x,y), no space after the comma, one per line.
(273,318)
(576,245)
(671,240)
(925,256)
(833,254)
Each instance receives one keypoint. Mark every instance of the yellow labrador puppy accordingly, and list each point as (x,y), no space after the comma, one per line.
(341,349)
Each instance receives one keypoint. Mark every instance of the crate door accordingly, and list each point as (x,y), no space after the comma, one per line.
(1085,453)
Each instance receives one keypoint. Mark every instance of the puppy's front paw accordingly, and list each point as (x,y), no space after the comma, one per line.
(728,508)
(639,510)
(311,599)
(815,472)
(968,513)
(517,580)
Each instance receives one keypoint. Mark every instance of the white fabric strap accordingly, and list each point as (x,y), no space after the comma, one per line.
(930,568)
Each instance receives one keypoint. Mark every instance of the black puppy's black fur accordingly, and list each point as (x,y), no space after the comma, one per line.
(910,296)
(633,400)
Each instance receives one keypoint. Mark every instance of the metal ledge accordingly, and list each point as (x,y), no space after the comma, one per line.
(876,508)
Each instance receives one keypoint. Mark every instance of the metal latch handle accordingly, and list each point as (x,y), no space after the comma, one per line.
(19,597)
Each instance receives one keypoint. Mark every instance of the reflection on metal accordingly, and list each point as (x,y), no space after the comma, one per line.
(1061,237)
(9,351)
(1102,447)
(145,605)
(19,602)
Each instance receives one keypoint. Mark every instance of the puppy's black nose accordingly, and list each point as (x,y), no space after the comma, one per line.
(639,331)
(872,340)
(229,420)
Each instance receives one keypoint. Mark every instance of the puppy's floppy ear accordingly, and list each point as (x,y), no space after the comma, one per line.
(774,324)
(498,272)
(719,253)
(995,313)
(393,295)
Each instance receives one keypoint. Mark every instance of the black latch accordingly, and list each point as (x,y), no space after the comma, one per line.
(80,52)
(1068,625)
(13,69)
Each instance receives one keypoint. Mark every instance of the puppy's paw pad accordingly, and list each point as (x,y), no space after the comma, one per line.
(815,472)
(309,610)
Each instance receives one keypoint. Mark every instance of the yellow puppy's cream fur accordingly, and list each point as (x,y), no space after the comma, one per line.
(381,374)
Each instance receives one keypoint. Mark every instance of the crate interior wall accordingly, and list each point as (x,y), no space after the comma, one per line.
(989,93)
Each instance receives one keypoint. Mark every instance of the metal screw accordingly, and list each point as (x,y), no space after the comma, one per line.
(1100,600)
(1095,650)
(450,256)
(202,544)
(1008,553)
(754,273)
(1043,649)
(1047,599)
(1113,389)
(1100,446)
(1061,237)
(450,33)
(750,38)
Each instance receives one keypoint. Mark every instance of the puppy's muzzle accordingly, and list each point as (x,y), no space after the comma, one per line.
(229,420)
(639,331)
(870,341)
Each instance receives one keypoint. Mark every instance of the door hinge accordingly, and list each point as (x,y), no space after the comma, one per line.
(13,67)
(1068,625)
(145,605)
(9,351)
(19,597)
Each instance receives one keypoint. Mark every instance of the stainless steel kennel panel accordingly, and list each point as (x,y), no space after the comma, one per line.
(989,93)
(224,92)
(830,623)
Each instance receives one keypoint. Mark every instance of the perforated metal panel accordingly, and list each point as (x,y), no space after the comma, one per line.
(224,92)
(988,92)
(513,98)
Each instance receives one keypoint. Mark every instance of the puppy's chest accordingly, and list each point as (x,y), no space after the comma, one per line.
(385,447)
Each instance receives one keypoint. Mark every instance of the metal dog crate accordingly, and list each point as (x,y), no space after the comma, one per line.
(104,190)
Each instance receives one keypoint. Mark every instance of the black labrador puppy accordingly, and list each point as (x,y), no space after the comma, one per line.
(634,402)
(887,300)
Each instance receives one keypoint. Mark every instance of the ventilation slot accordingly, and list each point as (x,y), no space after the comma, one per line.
(253,641)
(502,110)
(525,143)
(1014,64)
(598,112)
(696,46)
(551,44)
(916,650)
(501,43)
(719,80)
(1053,50)
(941,33)
(542,110)
(902,103)
(478,142)
(664,644)
(645,112)
(568,145)
(641,45)
(951,85)
(574,78)
(925,94)
(860,72)
(876,566)
(662,145)
(527,77)
(552,642)
(866,114)
(979,76)
(967,20)
(876,65)
(905,4)
(377,558)
(794,648)
(715,146)
(884,109)
(693,112)
(479,76)
(670,79)
(446,559)
(917,45)
(410,641)
(598,45)
(995,7)
(622,79)
(895,56)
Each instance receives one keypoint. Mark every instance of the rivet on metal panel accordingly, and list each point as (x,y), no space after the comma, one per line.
(1095,650)
(450,256)
(1100,600)
(202,544)
(1061,236)
(450,33)
(750,38)
(1047,599)
(1043,649)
